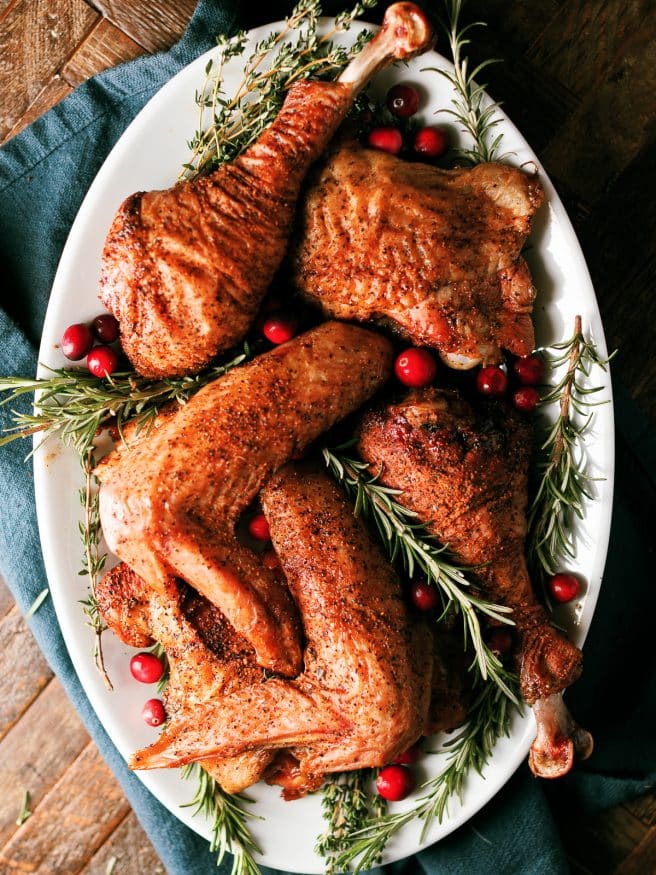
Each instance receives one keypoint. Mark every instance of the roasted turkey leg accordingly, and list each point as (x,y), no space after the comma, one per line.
(465,474)
(170,497)
(184,270)
(364,694)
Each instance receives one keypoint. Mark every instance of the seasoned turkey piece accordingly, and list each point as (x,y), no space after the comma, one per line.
(434,253)
(184,270)
(170,496)
(206,657)
(364,694)
(465,474)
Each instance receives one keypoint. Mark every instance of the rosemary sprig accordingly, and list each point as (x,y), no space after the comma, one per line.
(564,484)
(227,126)
(347,806)
(24,812)
(468,107)
(73,405)
(160,653)
(230,832)
(93,560)
(488,719)
(408,544)
(36,604)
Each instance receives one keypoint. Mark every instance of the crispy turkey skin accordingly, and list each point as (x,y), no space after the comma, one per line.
(465,473)
(434,253)
(184,270)
(170,496)
(364,694)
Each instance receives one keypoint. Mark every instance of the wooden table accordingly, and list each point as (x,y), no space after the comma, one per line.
(579,80)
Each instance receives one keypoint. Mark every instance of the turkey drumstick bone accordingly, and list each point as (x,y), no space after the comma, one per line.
(184,270)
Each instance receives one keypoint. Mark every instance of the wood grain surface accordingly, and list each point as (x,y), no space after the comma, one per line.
(579,80)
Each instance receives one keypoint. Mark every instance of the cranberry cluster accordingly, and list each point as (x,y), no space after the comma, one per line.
(78,341)
(147,668)
(428,142)
(527,371)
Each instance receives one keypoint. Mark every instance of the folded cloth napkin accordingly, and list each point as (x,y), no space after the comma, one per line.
(44,174)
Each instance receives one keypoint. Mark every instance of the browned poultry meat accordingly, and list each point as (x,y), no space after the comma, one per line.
(434,252)
(363,696)
(184,270)
(207,658)
(170,496)
(465,474)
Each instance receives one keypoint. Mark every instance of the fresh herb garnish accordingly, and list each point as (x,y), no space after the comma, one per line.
(408,544)
(227,126)
(348,806)
(73,405)
(93,560)
(564,484)
(488,719)
(226,811)
(24,812)
(471,108)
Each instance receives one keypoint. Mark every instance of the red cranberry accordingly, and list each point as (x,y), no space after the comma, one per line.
(424,595)
(492,381)
(395,782)
(105,327)
(258,527)
(153,712)
(146,668)
(76,342)
(526,398)
(500,640)
(279,329)
(409,756)
(415,367)
(529,370)
(402,101)
(564,587)
(386,139)
(431,142)
(102,361)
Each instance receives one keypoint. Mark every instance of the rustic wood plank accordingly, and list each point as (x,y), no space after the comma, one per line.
(642,860)
(155,26)
(6,598)
(612,126)
(71,822)
(644,808)
(599,844)
(130,850)
(49,95)
(587,42)
(520,23)
(37,37)
(618,241)
(23,670)
(104,47)
(33,757)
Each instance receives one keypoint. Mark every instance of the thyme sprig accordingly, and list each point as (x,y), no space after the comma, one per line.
(227,126)
(470,108)
(93,560)
(347,806)
(74,406)
(564,484)
(488,719)
(230,832)
(408,543)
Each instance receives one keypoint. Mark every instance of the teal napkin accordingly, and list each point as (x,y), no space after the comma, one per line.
(44,174)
